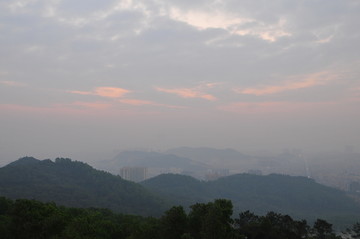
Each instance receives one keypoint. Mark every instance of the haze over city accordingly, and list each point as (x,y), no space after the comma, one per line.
(85,77)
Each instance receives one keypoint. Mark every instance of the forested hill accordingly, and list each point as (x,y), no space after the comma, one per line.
(298,196)
(76,184)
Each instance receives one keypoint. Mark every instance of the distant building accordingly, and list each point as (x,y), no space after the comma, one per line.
(214,174)
(135,174)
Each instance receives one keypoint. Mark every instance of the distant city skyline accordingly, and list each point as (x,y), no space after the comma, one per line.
(87,78)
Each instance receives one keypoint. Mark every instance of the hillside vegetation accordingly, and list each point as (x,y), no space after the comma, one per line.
(75,184)
(32,219)
(298,196)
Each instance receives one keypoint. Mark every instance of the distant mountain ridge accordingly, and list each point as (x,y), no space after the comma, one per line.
(156,162)
(210,155)
(75,184)
(201,152)
(203,162)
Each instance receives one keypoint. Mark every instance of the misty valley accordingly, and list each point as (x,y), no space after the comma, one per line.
(335,169)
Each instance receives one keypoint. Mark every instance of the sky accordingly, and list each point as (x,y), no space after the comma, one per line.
(81,78)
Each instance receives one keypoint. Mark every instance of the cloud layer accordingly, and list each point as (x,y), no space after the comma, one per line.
(308,81)
(217,64)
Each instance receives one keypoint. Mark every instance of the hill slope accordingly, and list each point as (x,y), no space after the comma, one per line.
(75,184)
(297,196)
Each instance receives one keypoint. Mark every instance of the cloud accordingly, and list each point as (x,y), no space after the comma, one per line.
(188,93)
(203,19)
(81,92)
(58,109)
(107,92)
(275,107)
(68,109)
(210,84)
(231,23)
(253,107)
(267,32)
(16,6)
(111,92)
(13,83)
(136,102)
(308,81)
(93,105)
(98,14)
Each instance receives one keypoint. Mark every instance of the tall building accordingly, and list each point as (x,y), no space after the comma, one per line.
(135,174)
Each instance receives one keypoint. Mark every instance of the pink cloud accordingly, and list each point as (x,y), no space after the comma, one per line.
(276,107)
(137,102)
(108,92)
(93,105)
(81,92)
(86,109)
(188,93)
(111,92)
(71,109)
(252,107)
(306,82)
(210,84)
(12,83)
(33,110)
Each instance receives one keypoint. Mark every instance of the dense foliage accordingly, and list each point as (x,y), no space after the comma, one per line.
(76,184)
(32,219)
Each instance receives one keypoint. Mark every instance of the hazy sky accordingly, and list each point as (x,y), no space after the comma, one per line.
(103,76)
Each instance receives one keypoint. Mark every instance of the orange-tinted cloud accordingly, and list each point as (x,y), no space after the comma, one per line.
(108,92)
(306,82)
(188,93)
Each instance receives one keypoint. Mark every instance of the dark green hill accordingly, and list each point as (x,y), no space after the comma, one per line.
(179,189)
(284,194)
(297,196)
(75,184)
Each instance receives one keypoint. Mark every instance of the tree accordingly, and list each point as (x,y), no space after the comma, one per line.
(323,230)
(218,222)
(33,219)
(174,223)
(212,220)
(271,226)
(354,231)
